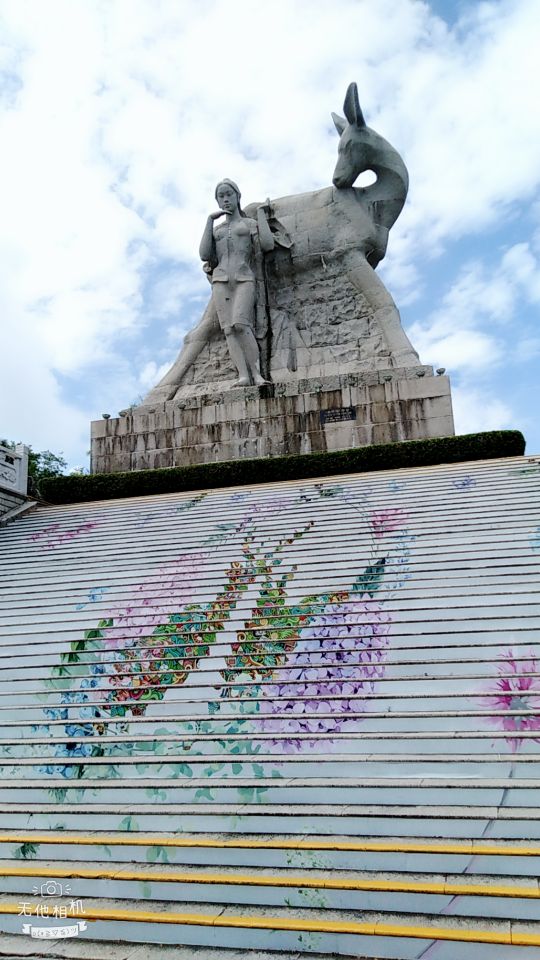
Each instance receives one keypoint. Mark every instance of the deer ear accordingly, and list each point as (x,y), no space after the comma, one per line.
(351,107)
(339,122)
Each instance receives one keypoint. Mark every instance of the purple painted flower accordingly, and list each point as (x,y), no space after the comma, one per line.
(517,689)
(338,657)
(464,483)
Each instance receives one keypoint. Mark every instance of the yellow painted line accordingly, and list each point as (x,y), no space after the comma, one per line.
(376,929)
(525,939)
(369,846)
(263,880)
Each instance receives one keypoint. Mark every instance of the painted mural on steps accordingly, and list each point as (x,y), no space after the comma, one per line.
(296,668)
(252,650)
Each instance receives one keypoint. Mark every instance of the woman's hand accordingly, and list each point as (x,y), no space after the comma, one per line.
(207,248)
(266,208)
(265,234)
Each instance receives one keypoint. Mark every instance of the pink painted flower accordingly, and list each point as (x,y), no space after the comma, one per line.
(158,597)
(53,536)
(385,521)
(517,688)
(49,531)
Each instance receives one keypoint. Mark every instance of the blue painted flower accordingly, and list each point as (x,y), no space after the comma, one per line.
(76,730)
(53,714)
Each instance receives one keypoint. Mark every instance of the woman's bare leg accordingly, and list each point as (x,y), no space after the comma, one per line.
(235,303)
(243,320)
(244,340)
(192,346)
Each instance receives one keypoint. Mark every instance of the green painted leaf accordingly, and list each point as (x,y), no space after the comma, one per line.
(59,793)
(26,851)
(204,794)
(246,793)
(61,671)
(128,823)
(370,580)
(70,657)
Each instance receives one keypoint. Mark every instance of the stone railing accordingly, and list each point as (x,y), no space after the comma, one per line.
(13,476)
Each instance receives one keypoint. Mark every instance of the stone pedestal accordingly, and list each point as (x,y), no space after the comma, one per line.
(301,416)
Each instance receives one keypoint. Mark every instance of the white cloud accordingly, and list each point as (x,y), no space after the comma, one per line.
(464,349)
(119,118)
(474,326)
(475,410)
(151,374)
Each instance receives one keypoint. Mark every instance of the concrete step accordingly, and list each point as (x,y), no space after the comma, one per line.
(415,820)
(398,854)
(511,897)
(13,947)
(303,930)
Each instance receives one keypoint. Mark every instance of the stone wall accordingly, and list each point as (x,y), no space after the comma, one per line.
(303,416)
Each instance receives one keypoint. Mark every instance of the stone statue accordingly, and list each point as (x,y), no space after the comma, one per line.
(314,305)
(232,251)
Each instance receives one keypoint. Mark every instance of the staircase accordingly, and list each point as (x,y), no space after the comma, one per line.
(298,720)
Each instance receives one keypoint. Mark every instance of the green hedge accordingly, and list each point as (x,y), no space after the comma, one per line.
(388,456)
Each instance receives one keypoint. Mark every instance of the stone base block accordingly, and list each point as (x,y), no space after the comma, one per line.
(307,416)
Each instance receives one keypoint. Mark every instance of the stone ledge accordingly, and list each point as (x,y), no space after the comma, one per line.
(290,388)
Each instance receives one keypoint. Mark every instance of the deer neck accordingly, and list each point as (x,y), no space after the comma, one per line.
(390,188)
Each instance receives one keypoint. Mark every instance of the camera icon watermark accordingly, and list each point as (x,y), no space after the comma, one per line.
(58,911)
(51,888)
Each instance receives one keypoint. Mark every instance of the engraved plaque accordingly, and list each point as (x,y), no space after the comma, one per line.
(337,415)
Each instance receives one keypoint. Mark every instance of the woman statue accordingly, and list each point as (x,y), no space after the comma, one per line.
(233,252)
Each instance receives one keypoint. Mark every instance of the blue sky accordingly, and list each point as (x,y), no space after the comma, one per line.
(119,116)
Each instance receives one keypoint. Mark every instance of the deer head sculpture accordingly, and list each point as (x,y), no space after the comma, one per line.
(361,148)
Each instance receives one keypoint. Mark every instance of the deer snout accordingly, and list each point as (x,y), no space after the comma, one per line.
(343,174)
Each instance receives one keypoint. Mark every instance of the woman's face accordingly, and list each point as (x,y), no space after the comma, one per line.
(227,198)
